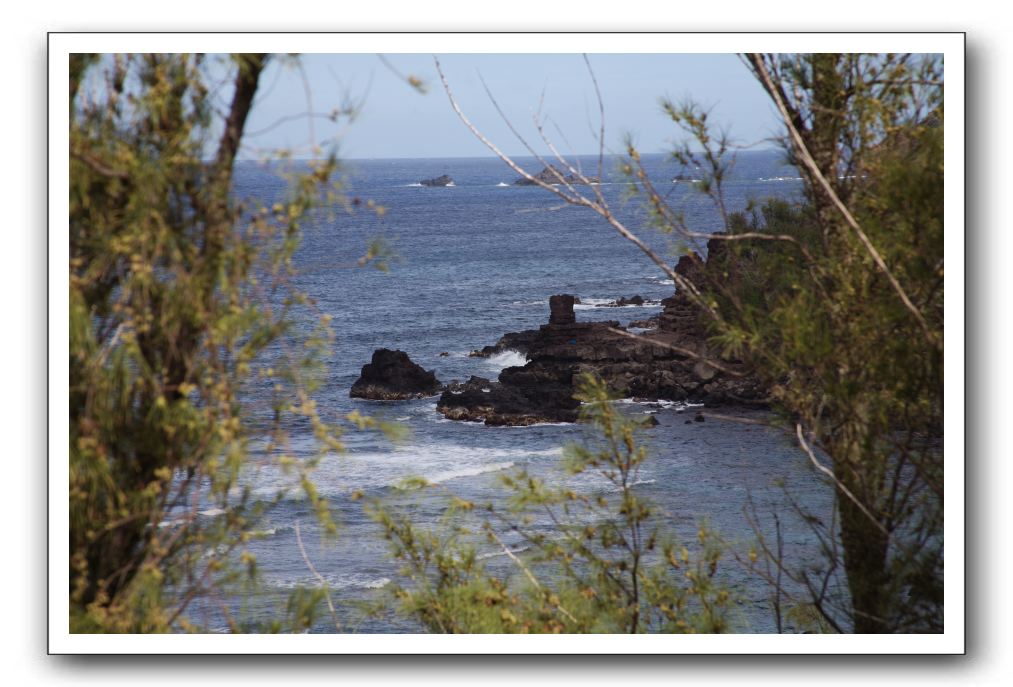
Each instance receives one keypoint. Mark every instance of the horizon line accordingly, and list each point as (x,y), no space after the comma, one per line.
(479,157)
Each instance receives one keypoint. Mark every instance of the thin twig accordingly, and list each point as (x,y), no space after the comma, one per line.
(530,576)
(677,349)
(412,81)
(579,200)
(743,420)
(830,473)
(323,582)
(803,154)
(601,116)
(309,105)
(98,166)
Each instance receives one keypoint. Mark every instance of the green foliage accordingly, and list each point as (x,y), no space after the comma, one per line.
(603,566)
(177,291)
(816,303)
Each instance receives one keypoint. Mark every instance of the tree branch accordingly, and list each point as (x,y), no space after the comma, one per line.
(840,485)
(802,151)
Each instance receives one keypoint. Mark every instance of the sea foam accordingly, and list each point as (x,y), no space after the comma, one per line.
(510,358)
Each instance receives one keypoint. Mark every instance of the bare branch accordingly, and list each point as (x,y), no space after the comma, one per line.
(601,114)
(744,420)
(309,105)
(527,572)
(332,116)
(602,210)
(677,349)
(413,81)
(320,578)
(830,473)
(524,141)
(98,166)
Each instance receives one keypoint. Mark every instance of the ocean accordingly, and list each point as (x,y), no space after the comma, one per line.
(473,261)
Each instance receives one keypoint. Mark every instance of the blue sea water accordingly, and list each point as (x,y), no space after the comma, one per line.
(474,261)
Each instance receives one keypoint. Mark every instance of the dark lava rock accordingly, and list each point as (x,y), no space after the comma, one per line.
(392,376)
(511,341)
(699,418)
(632,300)
(495,403)
(649,323)
(561,310)
(667,363)
(442,180)
(650,421)
(457,387)
(554,175)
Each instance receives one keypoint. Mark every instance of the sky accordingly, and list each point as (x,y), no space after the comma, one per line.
(396,121)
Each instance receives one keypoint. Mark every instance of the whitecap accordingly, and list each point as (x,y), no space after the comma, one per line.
(219,550)
(590,303)
(468,472)
(331,580)
(369,469)
(603,303)
(508,358)
(488,428)
(534,424)
(663,404)
(635,483)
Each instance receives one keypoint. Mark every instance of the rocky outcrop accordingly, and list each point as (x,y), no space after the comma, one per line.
(668,363)
(392,376)
(623,302)
(679,316)
(442,180)
(511,341)
(561,310)
(554,175)
(680,324)
(473,382)
(535,400)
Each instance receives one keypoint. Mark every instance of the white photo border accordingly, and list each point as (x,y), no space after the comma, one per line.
(950,45)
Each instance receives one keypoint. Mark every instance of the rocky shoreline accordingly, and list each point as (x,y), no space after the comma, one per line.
(668,361)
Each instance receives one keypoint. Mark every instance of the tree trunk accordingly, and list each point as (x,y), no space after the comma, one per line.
(865,550)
